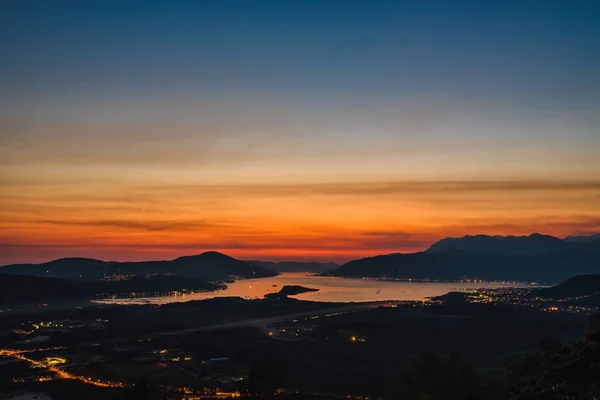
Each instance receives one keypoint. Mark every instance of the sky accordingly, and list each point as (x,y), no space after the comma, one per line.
(322,130)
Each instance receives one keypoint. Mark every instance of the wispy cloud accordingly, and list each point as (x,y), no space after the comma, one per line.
(333,221)
(381,188)
(140,225)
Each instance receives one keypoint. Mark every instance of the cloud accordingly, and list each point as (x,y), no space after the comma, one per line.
(364,188)
(141,225)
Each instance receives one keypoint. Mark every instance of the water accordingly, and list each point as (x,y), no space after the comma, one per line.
(331,289)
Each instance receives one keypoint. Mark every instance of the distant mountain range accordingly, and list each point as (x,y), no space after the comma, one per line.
(209,266)
(538,258)
(532,244)
(297,266)
(583,239)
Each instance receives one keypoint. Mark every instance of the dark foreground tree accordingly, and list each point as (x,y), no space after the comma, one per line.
(444,377)
(594,332)
(565,372)
(140,391)
(265,377)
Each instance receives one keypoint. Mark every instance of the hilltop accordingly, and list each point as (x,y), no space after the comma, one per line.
(583,285)
(210,266)
(535,243)
(534,258)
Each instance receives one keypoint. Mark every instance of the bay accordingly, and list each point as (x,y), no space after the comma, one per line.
(331,289)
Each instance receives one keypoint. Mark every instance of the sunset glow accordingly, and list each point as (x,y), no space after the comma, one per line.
(281,221)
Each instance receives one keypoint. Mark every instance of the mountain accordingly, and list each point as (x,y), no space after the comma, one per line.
(591,242)
(583,285)
(210,266)
(484,244)
(453,265)
(26,289)
(532,244)
(69,268)
(297,266)
(583,239)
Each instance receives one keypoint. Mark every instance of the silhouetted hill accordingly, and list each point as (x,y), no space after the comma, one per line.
(484,244)
(24,289)
(591,242)
(583,239)
(583,285)
(70,268)
(456,264)
(207,266)
(532,244)
(297,266)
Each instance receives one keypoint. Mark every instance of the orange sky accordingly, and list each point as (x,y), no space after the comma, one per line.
(314,221)
(259,189)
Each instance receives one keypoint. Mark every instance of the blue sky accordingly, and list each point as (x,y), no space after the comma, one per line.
(539,55)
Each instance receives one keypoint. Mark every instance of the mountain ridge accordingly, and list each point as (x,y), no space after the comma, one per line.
(209,265)
(455,265)
(535,243)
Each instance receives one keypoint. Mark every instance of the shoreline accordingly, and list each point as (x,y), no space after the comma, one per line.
(185,296)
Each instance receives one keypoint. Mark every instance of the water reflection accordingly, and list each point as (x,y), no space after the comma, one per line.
(331,289)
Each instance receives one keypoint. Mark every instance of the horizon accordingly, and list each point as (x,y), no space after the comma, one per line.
(282,130)
(302,260)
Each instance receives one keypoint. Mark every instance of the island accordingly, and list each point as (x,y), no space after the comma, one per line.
(289,290)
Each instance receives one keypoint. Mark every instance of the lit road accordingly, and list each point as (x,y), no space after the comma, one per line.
(19,354)
(62,374)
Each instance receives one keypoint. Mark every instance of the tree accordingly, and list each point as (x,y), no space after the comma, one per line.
(140,391)
(565,372)
(594,331)
(444,377)
(265,377)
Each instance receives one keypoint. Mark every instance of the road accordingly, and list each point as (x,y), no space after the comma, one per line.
(60,373)
(279,318)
